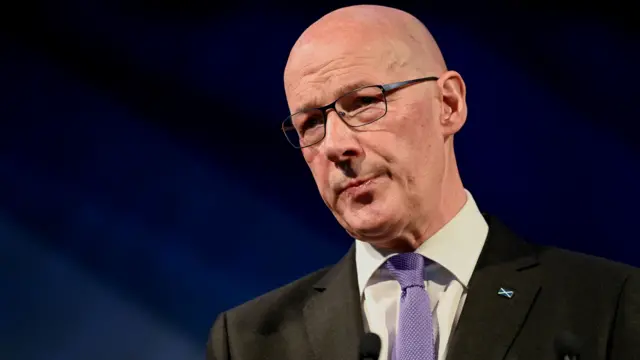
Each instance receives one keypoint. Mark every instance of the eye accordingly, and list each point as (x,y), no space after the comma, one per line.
(365,100)
(308,121)
(311,122)
(361,100)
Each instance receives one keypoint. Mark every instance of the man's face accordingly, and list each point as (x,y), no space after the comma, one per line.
(379,178)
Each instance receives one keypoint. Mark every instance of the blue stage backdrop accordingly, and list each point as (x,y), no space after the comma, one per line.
(145,184)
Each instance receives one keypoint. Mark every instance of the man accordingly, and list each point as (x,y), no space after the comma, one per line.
(428,273)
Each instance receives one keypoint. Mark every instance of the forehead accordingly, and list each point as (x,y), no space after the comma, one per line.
(321,72)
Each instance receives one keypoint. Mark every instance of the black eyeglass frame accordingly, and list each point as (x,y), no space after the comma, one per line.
(386,88)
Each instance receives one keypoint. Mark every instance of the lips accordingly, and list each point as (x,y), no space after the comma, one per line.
(355,183)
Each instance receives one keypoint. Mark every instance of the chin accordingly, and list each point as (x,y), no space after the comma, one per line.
(373,227)
(373,215)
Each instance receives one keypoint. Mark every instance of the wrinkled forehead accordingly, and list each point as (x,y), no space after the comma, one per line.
(319,72)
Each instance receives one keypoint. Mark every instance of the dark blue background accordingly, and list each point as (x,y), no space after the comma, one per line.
(145,185)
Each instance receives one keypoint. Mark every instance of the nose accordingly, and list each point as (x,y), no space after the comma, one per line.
(340,142)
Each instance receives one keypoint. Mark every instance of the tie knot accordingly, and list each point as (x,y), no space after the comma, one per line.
(407,269)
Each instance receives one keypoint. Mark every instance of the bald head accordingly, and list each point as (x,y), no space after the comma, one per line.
(395,142)
(396,38)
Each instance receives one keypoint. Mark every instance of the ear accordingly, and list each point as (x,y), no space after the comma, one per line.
(454,104)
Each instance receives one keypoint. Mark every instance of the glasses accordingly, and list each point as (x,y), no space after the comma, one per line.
(356,108)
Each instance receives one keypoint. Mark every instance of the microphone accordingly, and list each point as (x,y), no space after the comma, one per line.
(369,347)
(567,346)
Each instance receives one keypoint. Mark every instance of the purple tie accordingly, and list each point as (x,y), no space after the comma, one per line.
(414,336)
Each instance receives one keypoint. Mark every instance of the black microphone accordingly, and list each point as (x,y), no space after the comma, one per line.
(370,347)
(567,346)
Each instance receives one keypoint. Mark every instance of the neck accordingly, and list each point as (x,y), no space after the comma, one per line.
(435,220)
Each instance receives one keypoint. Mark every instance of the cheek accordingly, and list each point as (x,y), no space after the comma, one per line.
(309,155)
(320,172)
(412,148)
(419,130)
(316,165)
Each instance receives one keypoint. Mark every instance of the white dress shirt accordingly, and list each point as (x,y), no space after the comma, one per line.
(453,251)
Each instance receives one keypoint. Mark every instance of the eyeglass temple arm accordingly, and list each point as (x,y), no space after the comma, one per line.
(394,86)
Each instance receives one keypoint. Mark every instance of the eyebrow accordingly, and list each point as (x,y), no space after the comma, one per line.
(343,89)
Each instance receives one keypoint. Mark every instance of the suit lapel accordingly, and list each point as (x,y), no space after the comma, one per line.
(489,322)
(333,315)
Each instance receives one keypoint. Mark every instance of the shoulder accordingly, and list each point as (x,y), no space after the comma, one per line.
(275,306)
(582,265)
(579,273)
(266,314)
(282,309)
(557,264)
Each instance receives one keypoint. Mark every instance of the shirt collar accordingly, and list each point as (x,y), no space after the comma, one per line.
(456,247)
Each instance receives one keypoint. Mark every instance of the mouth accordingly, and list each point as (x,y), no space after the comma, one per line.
(357,185)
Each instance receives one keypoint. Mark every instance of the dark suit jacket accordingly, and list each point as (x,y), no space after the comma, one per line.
(319,316)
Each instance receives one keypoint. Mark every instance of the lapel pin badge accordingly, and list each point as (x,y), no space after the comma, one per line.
(507,293)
